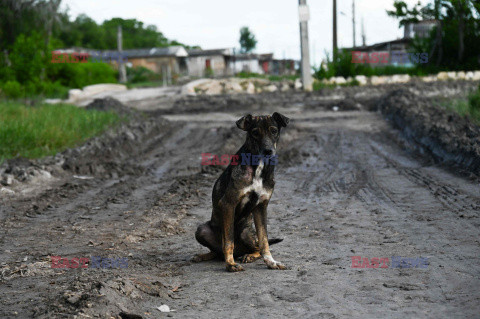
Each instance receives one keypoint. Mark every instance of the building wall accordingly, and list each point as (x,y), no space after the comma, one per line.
(157,64)
(197,65)
(252,66)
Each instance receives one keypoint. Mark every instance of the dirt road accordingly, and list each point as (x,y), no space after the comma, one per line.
(346,186)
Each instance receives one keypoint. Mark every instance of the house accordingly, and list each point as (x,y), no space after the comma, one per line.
(168,60)
(421,29)
(250,63)
(212,62)
(283,67)
(397,50)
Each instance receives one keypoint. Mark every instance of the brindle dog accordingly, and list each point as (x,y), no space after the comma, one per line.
(240,198)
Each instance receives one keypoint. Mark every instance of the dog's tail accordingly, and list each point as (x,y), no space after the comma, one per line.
(274,241)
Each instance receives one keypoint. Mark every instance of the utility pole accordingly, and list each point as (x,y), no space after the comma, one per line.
(335,47)
(122,74)
(364,37)
(304,15)
(353,23)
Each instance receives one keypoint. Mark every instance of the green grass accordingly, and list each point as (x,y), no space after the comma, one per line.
(43,130)
(469,107)
(319,85)
(272,78)
(146,84)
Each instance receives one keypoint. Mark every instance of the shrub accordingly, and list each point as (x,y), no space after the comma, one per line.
(78,75)
(142,74)
(27,58)
(12,89)
(474,105)
(54,90)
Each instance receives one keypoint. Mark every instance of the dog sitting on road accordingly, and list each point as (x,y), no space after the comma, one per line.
(240,198)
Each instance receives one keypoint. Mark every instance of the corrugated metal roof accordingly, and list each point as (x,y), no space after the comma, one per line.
(200,52)
(173,51)
(177,51)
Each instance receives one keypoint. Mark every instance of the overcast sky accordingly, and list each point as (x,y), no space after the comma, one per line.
(216,23)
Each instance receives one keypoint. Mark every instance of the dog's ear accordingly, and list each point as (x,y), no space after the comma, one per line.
(282,120)
(245,122)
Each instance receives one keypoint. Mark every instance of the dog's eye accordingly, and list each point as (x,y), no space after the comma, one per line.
(273,130)
(256,133)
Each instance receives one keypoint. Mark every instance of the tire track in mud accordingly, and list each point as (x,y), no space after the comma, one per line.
(452,199)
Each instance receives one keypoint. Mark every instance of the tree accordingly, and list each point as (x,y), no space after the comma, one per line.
(247,40)
(455,42)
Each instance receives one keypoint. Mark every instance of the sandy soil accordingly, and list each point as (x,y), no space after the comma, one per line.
(348,184)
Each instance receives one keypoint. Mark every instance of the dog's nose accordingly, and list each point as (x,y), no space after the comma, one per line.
(268,152)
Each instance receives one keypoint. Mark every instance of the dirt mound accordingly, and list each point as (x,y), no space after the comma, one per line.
(448,137)
(109,104)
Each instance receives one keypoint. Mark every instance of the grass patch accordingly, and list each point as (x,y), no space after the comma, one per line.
(272,78)
(319,85)
(146,84)
(469,107)
(43,130)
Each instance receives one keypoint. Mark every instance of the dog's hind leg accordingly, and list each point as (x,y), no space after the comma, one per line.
(248,239)
(206,236)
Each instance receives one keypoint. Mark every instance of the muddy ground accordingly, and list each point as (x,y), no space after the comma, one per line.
(349,183)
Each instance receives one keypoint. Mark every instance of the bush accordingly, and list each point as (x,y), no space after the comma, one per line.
(54,90)
(474,105)
(12,89)
(78,75)
(142,74)
(27,58)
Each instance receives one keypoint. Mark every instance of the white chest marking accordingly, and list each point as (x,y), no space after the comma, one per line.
(257,184)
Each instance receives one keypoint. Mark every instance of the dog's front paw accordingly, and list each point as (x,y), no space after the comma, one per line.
(250,258)
(272,264)
(234,268)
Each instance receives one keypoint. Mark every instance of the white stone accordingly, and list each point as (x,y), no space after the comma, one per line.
(362,79)
(53,101)
(400,78)
(211,87)
(99,88)
(442,76)
(377,80)
(233,87)
(428,78)
(164,308)
(452,75)
(75,95)
(189,88)
(461,75)
(270,88)
(298,84)
(476,76)
(250,88)
(285,87)
(339,80)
